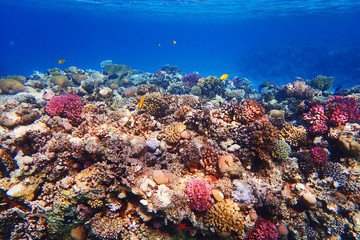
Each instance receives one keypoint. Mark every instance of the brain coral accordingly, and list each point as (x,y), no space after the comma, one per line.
(199,193)
(66,105)
(224,217)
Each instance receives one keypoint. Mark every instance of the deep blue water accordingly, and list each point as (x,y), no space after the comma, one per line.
(260,40)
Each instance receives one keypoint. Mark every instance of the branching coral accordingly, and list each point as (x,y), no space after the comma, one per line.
(299,89)
(263,230)
(66,105)
(316,119)
(208,158)
(294,135)
(224,217)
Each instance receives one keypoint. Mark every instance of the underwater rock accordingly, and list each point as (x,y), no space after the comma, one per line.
(19,116)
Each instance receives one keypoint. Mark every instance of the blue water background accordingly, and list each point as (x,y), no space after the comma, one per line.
(261,40)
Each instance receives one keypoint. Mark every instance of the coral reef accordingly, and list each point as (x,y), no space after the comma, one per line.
(84,160)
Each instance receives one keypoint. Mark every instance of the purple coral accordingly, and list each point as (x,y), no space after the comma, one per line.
(66,105)
(263,230)
(319,156)
(199,193)
(191,79)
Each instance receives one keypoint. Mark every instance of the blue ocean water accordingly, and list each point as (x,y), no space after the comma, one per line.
(262,40)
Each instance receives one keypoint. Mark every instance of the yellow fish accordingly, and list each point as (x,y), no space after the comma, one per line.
(61,61)
(174,42)
(141,101)
(224,77)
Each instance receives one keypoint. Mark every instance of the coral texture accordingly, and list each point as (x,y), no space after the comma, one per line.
(66,105)
(263,230)
(199,193)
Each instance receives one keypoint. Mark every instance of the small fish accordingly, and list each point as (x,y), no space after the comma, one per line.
(299,78)
(264,87)
(174,42)
(224,77)
(159,44)
(61,61)
(141,103)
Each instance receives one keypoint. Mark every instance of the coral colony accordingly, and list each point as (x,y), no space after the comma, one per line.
(124,154)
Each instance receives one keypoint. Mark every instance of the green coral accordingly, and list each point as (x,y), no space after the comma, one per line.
(211,86)
(281,150)
(117,70)
(322,83)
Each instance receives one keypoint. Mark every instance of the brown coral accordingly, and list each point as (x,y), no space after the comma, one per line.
(299,89)
(294,135)
(224,217)
(11,86)
(106,226)
(172,132)
(250,112)
(208,158)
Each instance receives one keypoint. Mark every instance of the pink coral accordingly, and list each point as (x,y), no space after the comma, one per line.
(316,119)
(319,156)
(199,193)
(342,110)
(66,105)
(263,230)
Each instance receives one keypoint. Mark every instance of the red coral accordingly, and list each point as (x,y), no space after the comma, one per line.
(319,156)
(316,119)
(250,111)
(199,193)
(66,105)
(342,110)
(263,230)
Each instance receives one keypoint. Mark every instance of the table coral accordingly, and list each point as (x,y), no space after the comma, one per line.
(66,105)
(199,193)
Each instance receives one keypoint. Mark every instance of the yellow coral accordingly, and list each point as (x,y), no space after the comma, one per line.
(224,217)
(96,203)
(293,135)
(173,131)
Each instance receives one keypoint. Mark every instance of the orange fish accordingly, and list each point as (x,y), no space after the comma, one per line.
(141,101)
(174,42)
(224,77)
(61,61)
